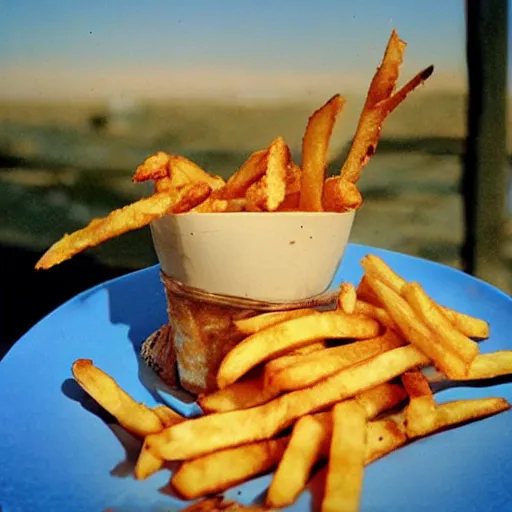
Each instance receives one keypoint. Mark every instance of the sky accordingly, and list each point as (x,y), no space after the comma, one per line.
(237,48)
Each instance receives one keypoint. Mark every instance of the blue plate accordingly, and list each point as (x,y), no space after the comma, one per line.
(59,451)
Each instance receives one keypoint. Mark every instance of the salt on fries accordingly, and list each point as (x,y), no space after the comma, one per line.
(269,181)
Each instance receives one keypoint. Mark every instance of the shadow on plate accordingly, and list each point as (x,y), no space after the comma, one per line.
(143,290)
(130,443)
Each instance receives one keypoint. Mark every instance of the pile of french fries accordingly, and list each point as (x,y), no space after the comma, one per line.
(269,181)
(341,386)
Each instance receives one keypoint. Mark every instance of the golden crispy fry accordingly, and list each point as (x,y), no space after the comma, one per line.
(203,435)
(380,398)
(467,325)
(293,179)
(220,470)
(470,326)
(416,332)
(240,395)
(169,184)
(270,190)
(167,416)
(488,366)
(128,218)
(289,335)
(133,416)
(384,81)
(381,88)
(420,413)
(154,167)
(379,104)
(375,312)
(301,454)
(262,321)
(194,173)
(304,351)
(315,145)
(340,195)
(293,357)
(346,301)
(453,413)
(383,436)
(377,267)
(308,370)
(345,473)
(365,293)
(213,205)
(435,319)
(290,203)
(250,172)
(147,464)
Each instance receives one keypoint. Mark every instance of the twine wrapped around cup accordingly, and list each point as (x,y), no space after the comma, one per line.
(202,332)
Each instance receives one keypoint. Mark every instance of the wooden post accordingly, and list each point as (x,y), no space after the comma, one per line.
(484,181)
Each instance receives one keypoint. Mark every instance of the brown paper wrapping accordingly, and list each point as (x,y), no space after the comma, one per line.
(202,331)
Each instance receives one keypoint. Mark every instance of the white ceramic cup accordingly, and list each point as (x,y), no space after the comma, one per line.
(279,256)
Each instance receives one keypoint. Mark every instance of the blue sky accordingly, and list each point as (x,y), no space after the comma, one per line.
(95,46)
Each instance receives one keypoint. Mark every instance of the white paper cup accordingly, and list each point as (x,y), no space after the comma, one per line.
(280,256)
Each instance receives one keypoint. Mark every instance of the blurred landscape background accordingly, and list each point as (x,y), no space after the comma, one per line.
(87,95)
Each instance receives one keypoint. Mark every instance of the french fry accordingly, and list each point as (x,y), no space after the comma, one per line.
(213,205)
(433,317)
(293,357)
(300,456)
(201,476)
(128,218)
(248,393)
(421,410)
(203,435)
(293,179)
(345,473)
(346,301)
(289,335)
(377,268)
(380,102)
(375,312)
(372,264)
(194,173)
(416,332)
(317,346)
(380,398)
(381,437)
(488,366)
(250,172)
(154,167)
(243,394)
(290,203)
(147,464)
(315,145)
(340,195)
(365,293)
(262,321)
(460,411)
(167,416)
(317,366)
(269,191)
(133,416)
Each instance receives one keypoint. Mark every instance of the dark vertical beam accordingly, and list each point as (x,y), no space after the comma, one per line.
(484,181)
